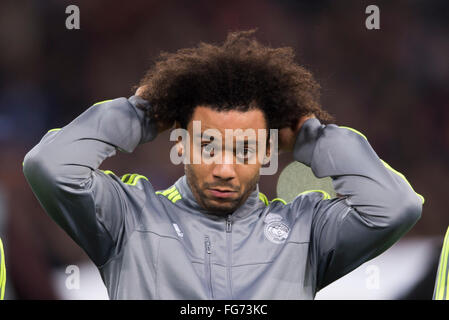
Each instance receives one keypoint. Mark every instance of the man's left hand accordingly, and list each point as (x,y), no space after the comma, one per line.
(287,135)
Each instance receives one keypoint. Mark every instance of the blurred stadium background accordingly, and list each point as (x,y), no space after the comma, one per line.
(391,84)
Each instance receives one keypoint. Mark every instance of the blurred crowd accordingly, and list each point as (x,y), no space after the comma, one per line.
(391,84)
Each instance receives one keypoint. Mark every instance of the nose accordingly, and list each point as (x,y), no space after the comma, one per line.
(224,171)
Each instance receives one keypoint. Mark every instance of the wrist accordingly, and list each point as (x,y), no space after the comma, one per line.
(306,141)
(149,125)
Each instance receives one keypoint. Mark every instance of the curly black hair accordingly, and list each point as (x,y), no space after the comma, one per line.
(239,74)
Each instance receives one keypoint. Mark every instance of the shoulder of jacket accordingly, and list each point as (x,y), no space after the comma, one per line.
(313,195)
(172,194)
(134,180)
(309,198)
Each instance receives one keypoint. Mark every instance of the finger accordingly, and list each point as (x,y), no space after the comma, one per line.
(139,91)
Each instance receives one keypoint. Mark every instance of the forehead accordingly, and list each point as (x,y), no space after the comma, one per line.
(232,119)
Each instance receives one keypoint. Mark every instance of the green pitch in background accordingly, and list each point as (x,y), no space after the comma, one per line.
(297,178)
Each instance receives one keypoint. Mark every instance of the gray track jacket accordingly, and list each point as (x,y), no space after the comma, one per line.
(163,245)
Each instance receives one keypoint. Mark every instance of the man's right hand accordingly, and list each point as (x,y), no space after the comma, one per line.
(161,126)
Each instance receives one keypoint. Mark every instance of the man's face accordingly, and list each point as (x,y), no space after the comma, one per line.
(222,187)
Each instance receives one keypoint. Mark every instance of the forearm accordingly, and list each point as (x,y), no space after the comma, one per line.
(83,144)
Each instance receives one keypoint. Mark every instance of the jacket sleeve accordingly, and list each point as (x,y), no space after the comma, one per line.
(440,291)
(62,170)
(375,206)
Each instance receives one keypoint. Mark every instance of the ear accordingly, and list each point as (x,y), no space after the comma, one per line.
(268,149)
(180,149)
(269,144)
(179,144)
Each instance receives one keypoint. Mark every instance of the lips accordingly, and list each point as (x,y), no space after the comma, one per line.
(222,190)
(222,193)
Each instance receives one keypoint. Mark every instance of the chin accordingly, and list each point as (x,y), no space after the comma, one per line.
(220,210)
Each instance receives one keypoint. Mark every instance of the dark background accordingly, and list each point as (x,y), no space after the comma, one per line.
(391,84)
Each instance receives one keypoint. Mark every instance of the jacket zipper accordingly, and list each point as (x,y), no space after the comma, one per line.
(229,245)
(228,224)
(207,266)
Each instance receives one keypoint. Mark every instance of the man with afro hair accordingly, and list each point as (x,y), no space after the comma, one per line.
(213,234)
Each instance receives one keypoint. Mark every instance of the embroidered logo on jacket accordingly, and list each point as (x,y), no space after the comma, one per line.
(275,230)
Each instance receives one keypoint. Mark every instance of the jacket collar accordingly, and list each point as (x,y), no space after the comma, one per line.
(250,206)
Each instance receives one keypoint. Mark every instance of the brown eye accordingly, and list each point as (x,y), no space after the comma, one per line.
(245,153)
(208,147)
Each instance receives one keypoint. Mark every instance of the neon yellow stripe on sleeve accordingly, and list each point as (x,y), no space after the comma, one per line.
(403,177)
(178,196)
(263,198)
(95,104)
(108,172)
(2,272)
(133,176)
(387,165)
(137,178)
(442,269)
(172,194)
(125,177)
(326,195)
(353,130)
(279,199)
(166,192)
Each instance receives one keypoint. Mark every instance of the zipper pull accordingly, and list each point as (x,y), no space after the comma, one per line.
(207,244)
(228,224)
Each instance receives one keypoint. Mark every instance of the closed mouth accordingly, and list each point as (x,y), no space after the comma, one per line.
(222,190)
(222,193)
